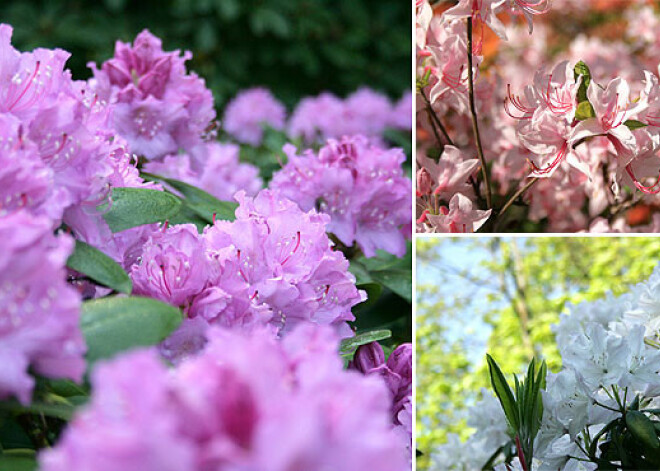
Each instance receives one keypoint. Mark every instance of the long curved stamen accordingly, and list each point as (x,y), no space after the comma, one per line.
(516,101)
(533,7)
(294,249)
(560,156)
(559,105)
(649,190)
(27,85)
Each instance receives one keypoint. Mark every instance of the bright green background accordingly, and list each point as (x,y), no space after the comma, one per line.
(471,298)
(294,47)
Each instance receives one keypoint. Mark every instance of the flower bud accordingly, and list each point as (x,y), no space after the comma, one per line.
(367,357)
(400,361)
(424,182)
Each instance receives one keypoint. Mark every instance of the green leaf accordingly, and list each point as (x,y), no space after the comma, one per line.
(99,267)
(398,280)
(642,429)
(504,394)
(133,207)
(18,460)
(199,201)
(634,124)
(584,111)
(582,69)
(61,410)
(113,324)
(373,290)
(348,346)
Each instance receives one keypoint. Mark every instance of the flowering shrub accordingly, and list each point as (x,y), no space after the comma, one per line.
(126,225)
(599,411)
(571,147)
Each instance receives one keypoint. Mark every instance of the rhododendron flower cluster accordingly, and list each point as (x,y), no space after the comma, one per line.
(274,265)
(213,166)
(158,107)
(359,185)
(249,111)
(117,234)
(246,402)
(39,312)
(397,373)
(610,351)
(364,112)
(571,147)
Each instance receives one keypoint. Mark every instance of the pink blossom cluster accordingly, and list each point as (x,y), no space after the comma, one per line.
(158,107)
(361,187)
(214,167)
(365,112)
(273,266)
(571,149)
(39,311)
(246,402)
(54,160)
(248,112)
(397,374)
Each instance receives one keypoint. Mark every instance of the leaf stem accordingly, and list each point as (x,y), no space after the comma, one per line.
(473,113)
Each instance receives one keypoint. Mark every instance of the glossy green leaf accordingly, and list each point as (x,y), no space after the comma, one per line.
(642,429)
(348,346)
(60,410)
(504,394)
(99,267)
(133,207)
(398,280)
(114,324)
(199,201)
(582,69)
(584,111)
(18,460)
(634,124)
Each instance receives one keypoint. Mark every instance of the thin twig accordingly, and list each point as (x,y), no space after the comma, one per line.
(473,113)
(435,118)
(518,193)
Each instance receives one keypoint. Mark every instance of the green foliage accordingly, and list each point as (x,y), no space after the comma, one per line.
(350,345)
(131,207)
(112,325)
(524,409)
(294,47)
(99,267)
(582,69)
(549,272)
(203,205)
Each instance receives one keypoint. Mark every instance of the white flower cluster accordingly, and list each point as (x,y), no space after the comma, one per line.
(610,353)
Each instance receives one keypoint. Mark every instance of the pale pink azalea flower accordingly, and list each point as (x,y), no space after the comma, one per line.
(613,107)
(479,10)
(423,16)
(449,175)
(460,217)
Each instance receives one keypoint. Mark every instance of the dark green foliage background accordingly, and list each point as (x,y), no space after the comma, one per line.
(294,47)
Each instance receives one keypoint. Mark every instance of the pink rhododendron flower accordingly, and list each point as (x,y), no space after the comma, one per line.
(249,111)
(39,312)
(246,402)
(360,186)
(159,108)
(326,116)
(214,167)
(273,266)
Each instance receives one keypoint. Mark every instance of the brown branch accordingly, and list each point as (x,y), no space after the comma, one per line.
(473,113)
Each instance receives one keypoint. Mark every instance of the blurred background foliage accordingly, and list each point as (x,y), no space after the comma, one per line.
(293,47)
(501,296)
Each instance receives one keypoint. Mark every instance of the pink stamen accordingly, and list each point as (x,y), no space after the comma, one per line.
(649,190)
(27,85)
(294,249)
(560,156)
